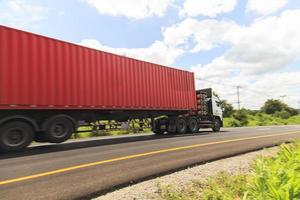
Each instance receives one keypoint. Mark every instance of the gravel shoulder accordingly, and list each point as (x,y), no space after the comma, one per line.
(149,189)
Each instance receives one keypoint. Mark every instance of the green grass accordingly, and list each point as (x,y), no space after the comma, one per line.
(87,132)
(270,178)
(262,120)
(253,120)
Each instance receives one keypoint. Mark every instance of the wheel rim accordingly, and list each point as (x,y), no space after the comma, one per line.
(14,137)
(59,130)
(193,125)
(181,125)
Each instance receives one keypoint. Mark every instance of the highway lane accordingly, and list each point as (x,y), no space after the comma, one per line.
(88,167)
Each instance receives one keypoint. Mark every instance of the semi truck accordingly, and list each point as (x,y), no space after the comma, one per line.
(49,87)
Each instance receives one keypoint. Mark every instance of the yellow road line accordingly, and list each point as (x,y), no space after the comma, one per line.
(4,182)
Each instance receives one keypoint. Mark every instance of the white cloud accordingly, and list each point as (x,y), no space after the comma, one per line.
(158,52)
(19,14)
(210,8)
(268,44)
(254,49)
(256,58)
(255,89)
(135,9)
(206,34)
(265,7)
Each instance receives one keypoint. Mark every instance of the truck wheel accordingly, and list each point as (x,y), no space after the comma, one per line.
(193,125)
(15,136)
(181,125)
(216,125)
(58,130)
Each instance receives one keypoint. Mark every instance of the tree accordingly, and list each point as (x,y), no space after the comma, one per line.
(272,106)
(292,111)
(227,108)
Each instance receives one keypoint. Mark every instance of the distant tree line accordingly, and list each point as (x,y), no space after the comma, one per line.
(272,107)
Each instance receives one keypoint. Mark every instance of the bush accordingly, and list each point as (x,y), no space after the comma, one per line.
(294,120)
(270,178)
(282,114)
(241,116)
(262,119)
(227,108)
(272,106)
(278,177)
(231,122)
(292,111)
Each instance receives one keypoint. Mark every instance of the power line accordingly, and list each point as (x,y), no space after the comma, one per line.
(238,91)
(240,87)
(261,93)
(234,86)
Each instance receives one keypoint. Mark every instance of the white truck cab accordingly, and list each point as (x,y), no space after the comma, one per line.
(209,111)
(216,108)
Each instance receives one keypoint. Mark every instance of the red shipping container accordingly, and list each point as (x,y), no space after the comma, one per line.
(38,72)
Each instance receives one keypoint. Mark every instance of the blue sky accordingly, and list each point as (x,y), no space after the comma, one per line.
(251,43)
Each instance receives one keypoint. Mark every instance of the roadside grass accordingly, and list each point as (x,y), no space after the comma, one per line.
(259,119)
(275,177)
(86,132)
(262,119)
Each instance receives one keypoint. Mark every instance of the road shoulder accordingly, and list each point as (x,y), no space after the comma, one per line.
(150,189)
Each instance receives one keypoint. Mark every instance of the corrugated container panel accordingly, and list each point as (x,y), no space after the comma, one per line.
(101,76)
(178,86)
(166,75)
(38,72)
(127,87)
(145,84)
(173,87)
(112,81)
(132,91)
(108,80)
(153,83)
(157,86)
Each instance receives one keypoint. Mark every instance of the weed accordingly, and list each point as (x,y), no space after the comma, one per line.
(270,178)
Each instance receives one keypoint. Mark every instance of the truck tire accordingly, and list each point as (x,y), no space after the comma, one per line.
(193,126)
(216,125)
(181,125)
(15,136)
(58,129)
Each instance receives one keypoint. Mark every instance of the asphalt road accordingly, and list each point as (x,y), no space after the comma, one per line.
(87,168)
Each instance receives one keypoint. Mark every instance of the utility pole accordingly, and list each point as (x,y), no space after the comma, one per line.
(238,96)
